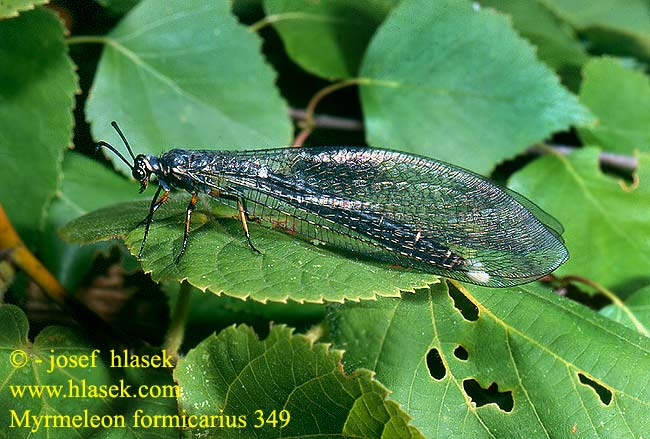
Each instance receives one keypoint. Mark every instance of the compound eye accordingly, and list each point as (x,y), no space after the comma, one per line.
(139,174)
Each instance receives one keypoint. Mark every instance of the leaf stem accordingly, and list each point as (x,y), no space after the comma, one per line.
(176,332)
(309,122)
(614,299)
(274,18)
(84,39)
(24,259)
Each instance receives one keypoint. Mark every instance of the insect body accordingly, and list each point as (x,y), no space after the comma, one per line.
(395,207)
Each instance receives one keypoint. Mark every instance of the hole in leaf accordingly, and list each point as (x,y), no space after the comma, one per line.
(463,304)
(603,393)
(436,366)
(461,353)
(481,396)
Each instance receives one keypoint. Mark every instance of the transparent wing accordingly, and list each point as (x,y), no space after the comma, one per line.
(400,208)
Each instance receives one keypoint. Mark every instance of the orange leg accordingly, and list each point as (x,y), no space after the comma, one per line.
(188,214)
(242,216)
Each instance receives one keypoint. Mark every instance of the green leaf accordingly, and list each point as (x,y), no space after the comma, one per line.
(236,374)
(37,87)
(607,224)
(533,350)
(455,82)
(637,303)
(605,20)
(556,42)
(218,257)
(65,344)
(188,75)
(11,8)
(327,38)
(620,98)
(208,313)
(118,6)
(86,186)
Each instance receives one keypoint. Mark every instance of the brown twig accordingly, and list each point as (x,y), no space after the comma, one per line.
(328,121)
(623,162)
(619,161)
(309,122)
(616,301)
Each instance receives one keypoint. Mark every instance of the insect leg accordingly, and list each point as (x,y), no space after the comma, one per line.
(155,204)
(242,215)
(188,214)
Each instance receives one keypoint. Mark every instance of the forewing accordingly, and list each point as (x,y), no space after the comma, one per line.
(403,209)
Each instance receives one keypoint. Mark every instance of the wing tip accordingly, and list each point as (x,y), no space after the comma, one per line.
(475,274)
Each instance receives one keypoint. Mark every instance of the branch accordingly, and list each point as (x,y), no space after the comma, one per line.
(613,298)
(328,121)
(618,161)
(309,123)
